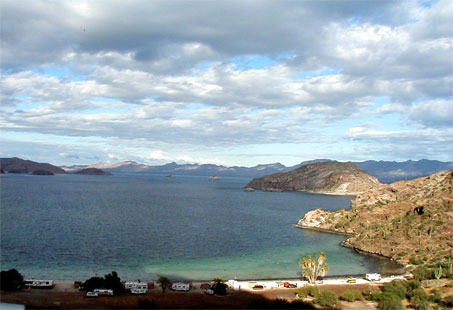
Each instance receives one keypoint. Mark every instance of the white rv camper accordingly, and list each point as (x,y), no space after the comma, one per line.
(137,287)
(179,286)
(373,277)
(38,283)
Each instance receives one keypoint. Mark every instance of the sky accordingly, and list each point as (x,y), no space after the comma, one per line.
(226,82)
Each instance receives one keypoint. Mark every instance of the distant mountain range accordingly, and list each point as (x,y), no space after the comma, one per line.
(385,171)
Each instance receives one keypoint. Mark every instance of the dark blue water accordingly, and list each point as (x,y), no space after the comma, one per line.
(143,226)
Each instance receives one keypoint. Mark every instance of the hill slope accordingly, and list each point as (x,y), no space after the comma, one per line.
(402,220)
(324,177)
(27,166)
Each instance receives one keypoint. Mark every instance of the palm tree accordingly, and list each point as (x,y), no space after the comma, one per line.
(164,283)
(312,268)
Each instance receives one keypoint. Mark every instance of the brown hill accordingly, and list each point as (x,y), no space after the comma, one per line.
(17,165)
(325,177)
(405,221)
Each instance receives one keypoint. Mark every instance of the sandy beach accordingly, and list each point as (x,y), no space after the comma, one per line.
(65,296)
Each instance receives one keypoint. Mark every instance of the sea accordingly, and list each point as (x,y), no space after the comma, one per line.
(72,227)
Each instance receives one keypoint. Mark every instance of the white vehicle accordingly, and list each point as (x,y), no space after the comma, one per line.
(103,292)
(38,283)
(92,294)
(137,287)
(139,291)
(179,286)
(373,277)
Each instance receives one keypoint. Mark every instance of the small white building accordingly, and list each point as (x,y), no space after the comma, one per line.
(180,286)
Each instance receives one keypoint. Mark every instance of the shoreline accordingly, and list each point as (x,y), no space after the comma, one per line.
(402,269)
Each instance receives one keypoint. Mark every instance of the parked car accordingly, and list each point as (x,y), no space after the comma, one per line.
(351,280)
(258,287)
(92,294)
(289,285)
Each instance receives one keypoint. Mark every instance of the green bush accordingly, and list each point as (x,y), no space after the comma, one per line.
(352,296)
(396,287)
(389,301)
(435,296)
(416,261)
(307,290)
(327,298)
(423,273)
(419,299)
(411,286)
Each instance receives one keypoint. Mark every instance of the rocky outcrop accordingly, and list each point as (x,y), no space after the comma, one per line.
(325,177)
(402,220)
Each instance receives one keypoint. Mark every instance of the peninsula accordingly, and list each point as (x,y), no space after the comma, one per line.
(324,178)
(407,221)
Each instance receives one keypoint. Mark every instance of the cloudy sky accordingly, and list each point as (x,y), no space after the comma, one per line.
(226,82)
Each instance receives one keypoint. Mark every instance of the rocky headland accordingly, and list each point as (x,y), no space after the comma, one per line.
(325,178)
(406,221)
(92,171)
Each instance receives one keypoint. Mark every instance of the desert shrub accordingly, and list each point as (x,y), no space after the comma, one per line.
(389,301)
(307,290)
(375,296)
(416,261)
(412,285)
(423,273)
(11,280)
(397,288)
(352,295)
(420,299)
(327,298)
(435,296)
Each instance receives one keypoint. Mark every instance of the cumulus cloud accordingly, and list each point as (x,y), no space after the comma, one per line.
(170,72)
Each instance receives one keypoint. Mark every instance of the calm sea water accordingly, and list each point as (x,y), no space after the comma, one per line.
(144,226)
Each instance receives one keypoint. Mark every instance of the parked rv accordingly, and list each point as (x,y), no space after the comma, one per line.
(373,277)
(137,287)
(179,286)
(33,283)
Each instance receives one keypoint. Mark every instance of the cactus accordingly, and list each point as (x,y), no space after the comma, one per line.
(438,273)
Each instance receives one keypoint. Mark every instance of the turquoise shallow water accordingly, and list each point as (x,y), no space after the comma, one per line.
(143,226)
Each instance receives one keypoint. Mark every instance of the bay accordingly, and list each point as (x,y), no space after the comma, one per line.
(142,226)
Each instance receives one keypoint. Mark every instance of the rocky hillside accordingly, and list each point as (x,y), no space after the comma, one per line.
(324,177)
(406,220)
(17,165)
